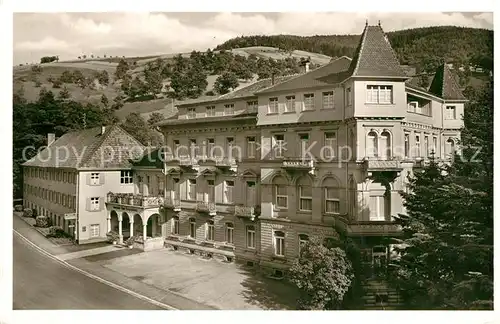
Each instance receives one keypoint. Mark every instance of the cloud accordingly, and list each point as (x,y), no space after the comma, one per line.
(74,34)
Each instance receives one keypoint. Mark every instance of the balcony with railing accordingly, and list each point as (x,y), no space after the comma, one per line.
(180,160)
(243,211)
(134,200)
(173,203)
(299,163)
(381,164)
(206,208)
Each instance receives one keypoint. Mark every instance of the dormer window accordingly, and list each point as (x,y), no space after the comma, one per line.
(229,109)
(412,106)
(210,111)
(379,94)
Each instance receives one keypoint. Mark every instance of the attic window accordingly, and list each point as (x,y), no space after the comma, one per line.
(191,113)
(229,109)
(379,94)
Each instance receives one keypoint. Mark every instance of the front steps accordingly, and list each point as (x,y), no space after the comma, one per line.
(379,296)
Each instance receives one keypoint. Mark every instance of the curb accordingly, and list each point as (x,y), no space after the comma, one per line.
(101,280)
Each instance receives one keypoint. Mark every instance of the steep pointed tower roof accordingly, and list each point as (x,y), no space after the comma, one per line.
(445,85)
(375,56)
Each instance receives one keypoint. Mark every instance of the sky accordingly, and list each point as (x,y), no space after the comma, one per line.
(70,35)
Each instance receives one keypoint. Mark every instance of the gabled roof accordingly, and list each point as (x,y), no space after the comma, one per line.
(88,148)
(375,56)
(445,85)
(312,78)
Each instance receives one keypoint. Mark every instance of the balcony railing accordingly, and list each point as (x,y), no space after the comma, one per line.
(173,203)
(375,228)
(378,164)
(244,211)
(135,200)
(206,207)
(183,160)
(297,163)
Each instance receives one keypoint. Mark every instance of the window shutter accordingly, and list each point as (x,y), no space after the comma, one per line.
(101,178)
(88,179)
(87,205)
(101,203)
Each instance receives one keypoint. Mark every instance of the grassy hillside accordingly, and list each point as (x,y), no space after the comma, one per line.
(422,48)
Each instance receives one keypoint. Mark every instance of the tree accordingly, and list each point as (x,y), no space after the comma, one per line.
(154,80)
(56,84)
(322,274)
(64,94)
(121,69)
(136,126)
(447,248)
(104,101)
(66,77)
(103,77)
(154,118)
(226,82)
(117,102)
(48,59)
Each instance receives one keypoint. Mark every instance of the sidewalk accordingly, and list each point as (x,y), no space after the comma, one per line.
(78,259)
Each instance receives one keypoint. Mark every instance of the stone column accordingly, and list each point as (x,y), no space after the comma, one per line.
(109,223)
(144,231)
(131,221)
(120,234)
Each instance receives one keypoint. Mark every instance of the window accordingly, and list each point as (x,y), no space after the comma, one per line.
(210,231)
(193,147)
(353,199)
(177,143)
(273,106)
(330,145)
(412,106)
(304,144)
(290,104)
(229,233)
(229,147)
(65,177)
(175,225)
(279,146)
(417,146)
(279,243)
(126,177)
(450,113)
(407,145)
(305,194)
(192,228)
(449,148)
(210,147)
(251,147)
(378,94)
(211,191)
(228,192)
(94,203)
(378,206)
(385,145)
(281,196)
(252,106)
(191,113)
(328,100)
(331,196)
(303,239)
(348,96)
(229,109)
(94,230)
(251,237)
(94,179)
(191,194)
(210,111)
(426,145)
(372,144)
(250,194)
(434,144)
(309,101)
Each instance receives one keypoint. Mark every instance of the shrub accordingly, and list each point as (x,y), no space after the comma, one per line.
(112,236)
(18,208)
(28,212)
(57,232)
(56,84)
(42,221)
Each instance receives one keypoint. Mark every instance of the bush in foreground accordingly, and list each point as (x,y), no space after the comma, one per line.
(57,232)
(42,221)
(28,212)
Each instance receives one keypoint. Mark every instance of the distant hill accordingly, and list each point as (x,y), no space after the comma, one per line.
(424,48)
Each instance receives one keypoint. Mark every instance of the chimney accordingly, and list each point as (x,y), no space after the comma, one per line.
(305,65)
(272,78)
(103,129)
(51,138)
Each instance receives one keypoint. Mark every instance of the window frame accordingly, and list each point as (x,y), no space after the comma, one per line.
(191,113)
(454,111)
(277,195)
(330,95)
(126,177)
(302,241)
(92,230)
(279,243)
(326,200)
(192,228)
(378,89)
(210,231)
(94,203)
(227,184)
(229,230)
(273,106)
(94,178)
(290,101)
(189,193)
(228,109)
(175,230)
(254,147)
(309,104)
(210,111)
(250,231)
(303,198)
(330,154)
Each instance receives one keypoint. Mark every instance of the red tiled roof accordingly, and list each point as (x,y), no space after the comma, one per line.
(445,85)
(313,78)
(375,56)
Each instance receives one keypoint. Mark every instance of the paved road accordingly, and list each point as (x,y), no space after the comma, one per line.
(43,283)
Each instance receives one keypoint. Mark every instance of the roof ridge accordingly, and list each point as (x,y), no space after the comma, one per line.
(358,52)
(98,144)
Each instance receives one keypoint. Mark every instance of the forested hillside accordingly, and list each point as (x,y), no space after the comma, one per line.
(424,48)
